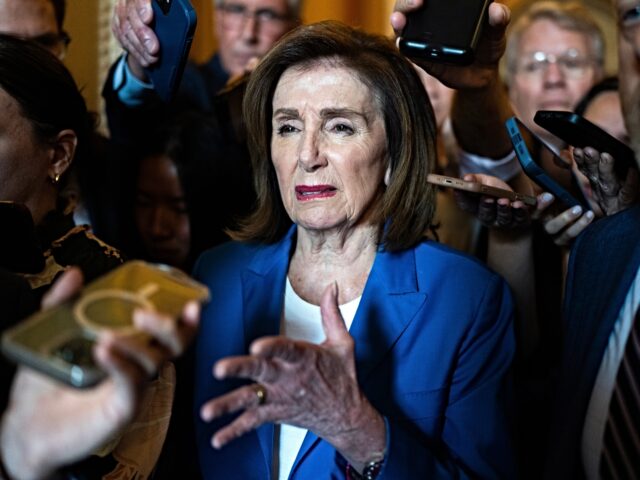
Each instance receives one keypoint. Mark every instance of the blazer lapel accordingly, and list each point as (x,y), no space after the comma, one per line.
(263,283)
(390,301)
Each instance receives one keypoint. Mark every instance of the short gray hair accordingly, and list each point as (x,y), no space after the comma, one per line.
(295,7)
(571,16)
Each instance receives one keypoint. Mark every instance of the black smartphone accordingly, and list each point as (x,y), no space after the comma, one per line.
(174,23)
(445,31)
(19,246)
(579,132)
(537,173)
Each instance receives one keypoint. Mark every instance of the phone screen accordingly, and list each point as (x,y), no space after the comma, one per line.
(444,30)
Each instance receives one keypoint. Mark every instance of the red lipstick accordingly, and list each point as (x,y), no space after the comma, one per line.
(314,192)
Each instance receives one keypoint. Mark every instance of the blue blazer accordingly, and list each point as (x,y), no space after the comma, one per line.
(434,344)
(604,261)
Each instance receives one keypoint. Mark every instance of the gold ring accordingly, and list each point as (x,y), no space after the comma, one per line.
(261,393)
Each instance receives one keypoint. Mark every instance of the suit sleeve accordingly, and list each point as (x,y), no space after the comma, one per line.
(475,437)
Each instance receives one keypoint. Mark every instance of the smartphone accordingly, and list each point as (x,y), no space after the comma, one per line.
(445,31)
(19,247)
(579,132)
(479,188)
(59,341)
(174,23)
(535,171)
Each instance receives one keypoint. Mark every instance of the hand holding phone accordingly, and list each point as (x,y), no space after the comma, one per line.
(480,188)
(444,31)
(612,194)
(579,132)
(174,23)
(59,341)
(534,170)
(48,424)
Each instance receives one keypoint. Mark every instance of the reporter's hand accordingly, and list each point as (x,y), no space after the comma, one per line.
(306,385)
(130,25)
(48,424)
(490,48)
(493,212)
(612,193)
(565,226)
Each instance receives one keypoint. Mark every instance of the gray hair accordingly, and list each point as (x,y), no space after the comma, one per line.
(294,6)
(571,16)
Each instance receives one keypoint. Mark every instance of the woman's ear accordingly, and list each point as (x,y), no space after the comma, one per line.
(63,151)
(387,176)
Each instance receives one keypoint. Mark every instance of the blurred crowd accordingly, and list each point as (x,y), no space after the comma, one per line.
(363,322)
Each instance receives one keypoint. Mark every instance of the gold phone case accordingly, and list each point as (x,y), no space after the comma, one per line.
(59,341)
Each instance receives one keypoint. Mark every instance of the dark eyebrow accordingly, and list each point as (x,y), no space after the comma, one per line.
(287,112)
(341,112)
(325,113)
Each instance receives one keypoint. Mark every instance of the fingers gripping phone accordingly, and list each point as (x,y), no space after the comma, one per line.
(445,31)
(59,341)
(479,188)
(579,132)
(534,170)
(174,23)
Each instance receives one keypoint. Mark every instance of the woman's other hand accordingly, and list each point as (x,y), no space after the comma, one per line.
(305,385)
(612,193)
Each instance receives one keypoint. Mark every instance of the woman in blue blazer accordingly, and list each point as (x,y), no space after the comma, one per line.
(343,344)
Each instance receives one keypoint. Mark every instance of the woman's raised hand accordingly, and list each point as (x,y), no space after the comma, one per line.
(305,385)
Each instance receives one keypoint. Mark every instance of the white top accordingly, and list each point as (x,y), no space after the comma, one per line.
(598,410)
(302,321)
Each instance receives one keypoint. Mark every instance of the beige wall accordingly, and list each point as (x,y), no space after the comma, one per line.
(372,15)
(82,57)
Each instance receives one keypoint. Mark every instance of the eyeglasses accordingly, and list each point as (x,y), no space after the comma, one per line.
(236,14)
(572,64)
(56,43)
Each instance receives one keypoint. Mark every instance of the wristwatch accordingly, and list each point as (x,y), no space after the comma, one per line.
(370,471)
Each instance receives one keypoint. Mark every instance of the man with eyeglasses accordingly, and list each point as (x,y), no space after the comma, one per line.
(37,20)
(555,53)
(245,30)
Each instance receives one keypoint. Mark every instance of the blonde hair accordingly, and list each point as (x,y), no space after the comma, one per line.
(571,16)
